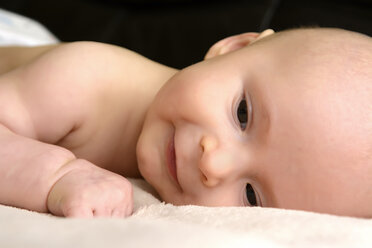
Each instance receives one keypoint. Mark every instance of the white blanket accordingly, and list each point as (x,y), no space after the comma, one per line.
(155,224)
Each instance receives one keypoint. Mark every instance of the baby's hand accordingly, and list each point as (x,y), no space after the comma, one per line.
(91,192)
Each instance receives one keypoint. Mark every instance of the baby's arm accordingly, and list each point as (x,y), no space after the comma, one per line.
(48,178)
(40,104)
(28,170)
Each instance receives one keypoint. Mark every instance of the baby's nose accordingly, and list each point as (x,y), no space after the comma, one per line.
(216,163)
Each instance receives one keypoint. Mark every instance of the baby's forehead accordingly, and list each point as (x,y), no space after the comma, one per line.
(339,69)
(338,50)
(313,39)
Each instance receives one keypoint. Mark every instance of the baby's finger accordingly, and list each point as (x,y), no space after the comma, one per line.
(78,212)
(118,213)
(102,212)
(128,210)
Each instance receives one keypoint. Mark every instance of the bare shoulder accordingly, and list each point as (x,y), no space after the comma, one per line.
(70,85)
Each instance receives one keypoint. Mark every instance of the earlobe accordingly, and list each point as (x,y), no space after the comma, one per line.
(235,42)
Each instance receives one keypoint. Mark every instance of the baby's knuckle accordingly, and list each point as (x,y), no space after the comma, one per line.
(70,204)
(124,185)
(120,193)
(128,187)
(128,209)
(70,209)
(74,201)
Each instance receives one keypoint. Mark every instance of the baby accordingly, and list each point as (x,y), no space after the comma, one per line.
(272,119)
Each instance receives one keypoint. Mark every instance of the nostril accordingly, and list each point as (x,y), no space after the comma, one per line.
(202,145)
(204,178)
(209,181)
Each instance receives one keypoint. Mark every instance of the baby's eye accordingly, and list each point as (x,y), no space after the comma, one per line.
(242,114)
(251,195)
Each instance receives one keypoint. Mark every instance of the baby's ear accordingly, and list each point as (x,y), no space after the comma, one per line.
(235,42)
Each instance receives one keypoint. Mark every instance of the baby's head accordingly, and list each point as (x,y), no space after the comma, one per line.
(276,120)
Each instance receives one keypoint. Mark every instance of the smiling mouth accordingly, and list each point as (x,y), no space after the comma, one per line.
(171,160)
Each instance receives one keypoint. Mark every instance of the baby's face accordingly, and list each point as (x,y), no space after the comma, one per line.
(270,125)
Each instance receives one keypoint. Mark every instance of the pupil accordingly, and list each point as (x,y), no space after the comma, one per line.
(242,113)
(251,196)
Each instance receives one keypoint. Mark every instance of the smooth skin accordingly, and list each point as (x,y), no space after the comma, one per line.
(307,143)
(72,115)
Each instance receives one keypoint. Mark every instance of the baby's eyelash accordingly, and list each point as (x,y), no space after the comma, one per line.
(251,195)
(242,113)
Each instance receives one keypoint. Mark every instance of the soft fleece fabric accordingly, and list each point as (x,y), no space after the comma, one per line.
(155,224)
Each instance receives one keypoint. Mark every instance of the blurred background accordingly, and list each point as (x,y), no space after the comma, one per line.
(179,32)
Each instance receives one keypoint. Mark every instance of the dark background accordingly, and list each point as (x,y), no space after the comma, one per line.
(179,32)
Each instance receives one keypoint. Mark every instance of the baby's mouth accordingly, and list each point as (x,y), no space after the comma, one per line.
(171,160)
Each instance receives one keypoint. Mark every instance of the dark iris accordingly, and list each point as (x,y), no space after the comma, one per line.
(242,114)
(251,196)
